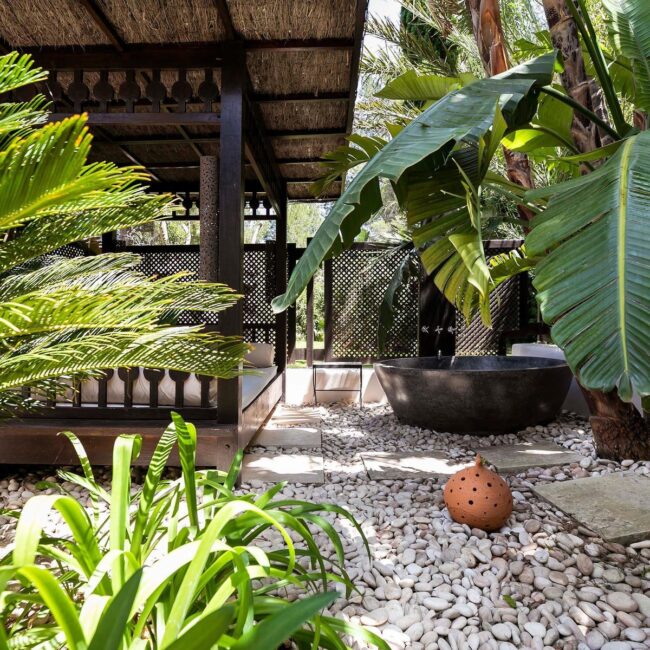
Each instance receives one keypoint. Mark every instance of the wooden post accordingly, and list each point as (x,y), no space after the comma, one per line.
(281,284)
(208,219)
(108,242)
(309,320)
(231,215)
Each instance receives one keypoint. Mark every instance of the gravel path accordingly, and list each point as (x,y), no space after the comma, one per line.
(435,584)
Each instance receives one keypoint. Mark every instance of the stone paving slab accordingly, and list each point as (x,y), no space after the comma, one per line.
(304,437)
(290,416)
(616,506)
(512,459)
(294,468)
(415,464)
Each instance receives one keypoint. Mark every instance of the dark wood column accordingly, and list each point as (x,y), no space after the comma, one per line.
(208,219)
(231,213)
(281,282)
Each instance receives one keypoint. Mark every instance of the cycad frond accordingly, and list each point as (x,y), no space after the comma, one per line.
(185,349)
(64,319)
(18,70)
(54,272)
(52,232)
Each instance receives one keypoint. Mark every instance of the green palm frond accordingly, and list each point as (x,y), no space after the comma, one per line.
(18,70)
(18,119)
(54,272)
(50,233)
(186,349)
(62,320)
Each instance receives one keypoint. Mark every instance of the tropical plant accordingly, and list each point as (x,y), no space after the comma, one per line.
(179,564)
(63,318)
(587,238)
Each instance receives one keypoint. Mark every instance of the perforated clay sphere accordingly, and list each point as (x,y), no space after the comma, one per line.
(478,497)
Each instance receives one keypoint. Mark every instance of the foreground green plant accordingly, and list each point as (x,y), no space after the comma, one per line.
(71,317)
(180,564)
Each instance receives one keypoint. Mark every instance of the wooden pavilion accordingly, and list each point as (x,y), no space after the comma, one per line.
(229,104)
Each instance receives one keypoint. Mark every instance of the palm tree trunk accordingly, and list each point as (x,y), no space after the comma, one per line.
(488,32)
(620,431)
(564,35)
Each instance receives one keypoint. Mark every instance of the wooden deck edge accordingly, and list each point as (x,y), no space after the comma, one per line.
(35,441)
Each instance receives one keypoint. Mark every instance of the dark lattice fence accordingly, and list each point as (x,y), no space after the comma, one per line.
(70,250)
(260,289)
(355,284)
(259,283)
(507,308)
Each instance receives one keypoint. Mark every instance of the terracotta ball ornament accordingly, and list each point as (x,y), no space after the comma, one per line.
(478,497)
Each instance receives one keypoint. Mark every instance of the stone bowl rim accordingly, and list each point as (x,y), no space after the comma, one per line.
(552,364)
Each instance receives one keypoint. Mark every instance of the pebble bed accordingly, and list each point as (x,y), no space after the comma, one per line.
(437,585)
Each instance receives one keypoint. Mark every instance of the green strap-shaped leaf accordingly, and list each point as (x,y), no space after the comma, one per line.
(58,602)
(112,626)
(278,627)
(461,116)
(206,631)
(413,86)
(593,286)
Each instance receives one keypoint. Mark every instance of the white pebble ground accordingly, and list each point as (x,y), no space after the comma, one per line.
(437,585)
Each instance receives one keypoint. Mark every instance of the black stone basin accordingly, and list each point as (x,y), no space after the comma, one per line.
(480,395)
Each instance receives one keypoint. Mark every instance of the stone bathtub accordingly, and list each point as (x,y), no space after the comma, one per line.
(480,395)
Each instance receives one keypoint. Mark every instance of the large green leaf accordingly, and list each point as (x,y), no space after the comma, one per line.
(630,27)
(462,116)
(593,285)
(413,86)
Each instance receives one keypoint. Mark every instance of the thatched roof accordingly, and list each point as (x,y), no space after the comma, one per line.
(302,59)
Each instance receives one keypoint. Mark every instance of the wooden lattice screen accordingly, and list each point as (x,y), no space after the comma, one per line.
(508,311)
(259,283)
(355,284)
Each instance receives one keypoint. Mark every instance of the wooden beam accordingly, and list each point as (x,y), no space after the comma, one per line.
(259,154)
(226,19)
(104,24)
(231,217)
(281,284)
(359,22)
(168,56)
(195,165)
(132,57)
(144,119)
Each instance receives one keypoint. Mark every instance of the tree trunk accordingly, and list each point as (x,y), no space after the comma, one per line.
(564,35)
(488,32)
(620,431)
